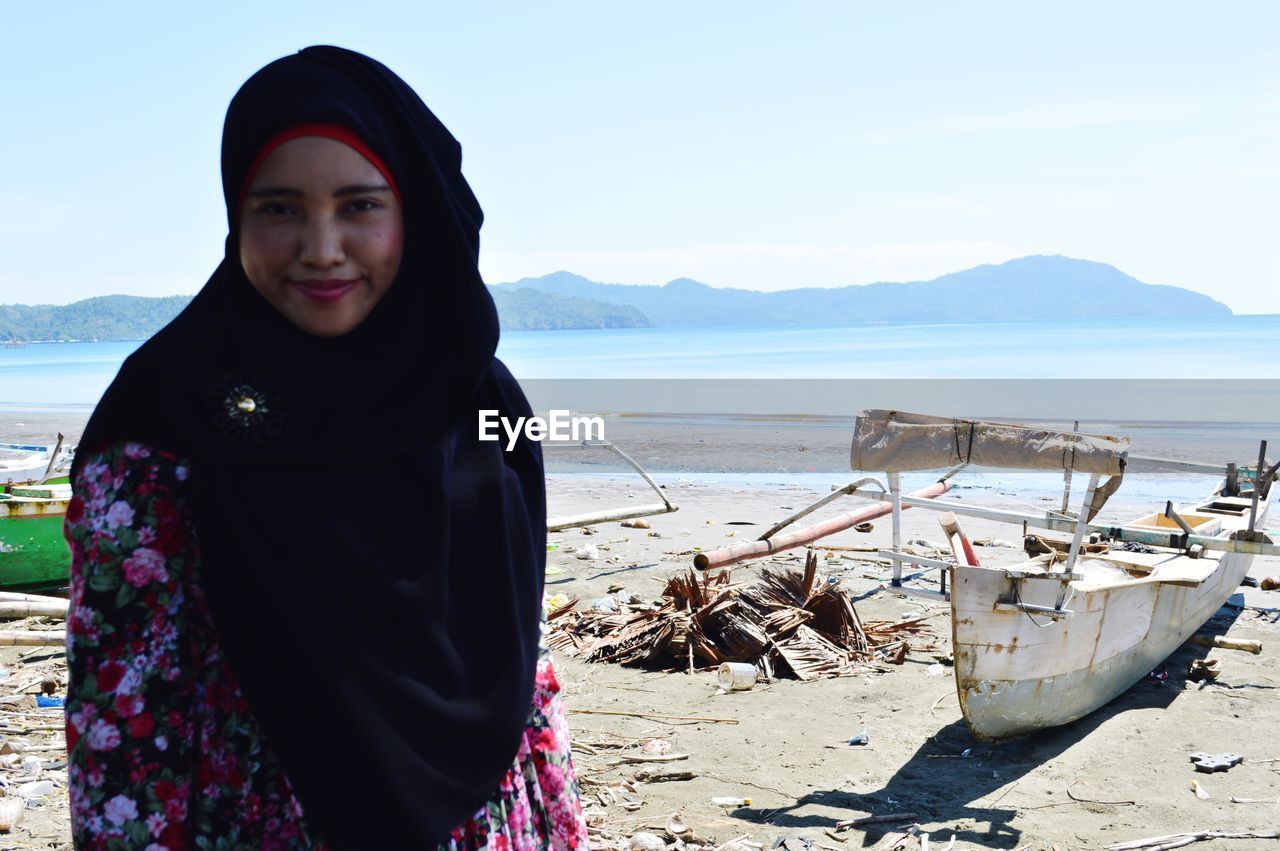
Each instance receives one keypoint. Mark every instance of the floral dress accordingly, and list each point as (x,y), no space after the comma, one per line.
(163,752)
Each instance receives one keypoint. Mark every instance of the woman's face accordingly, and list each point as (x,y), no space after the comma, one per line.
(321,235)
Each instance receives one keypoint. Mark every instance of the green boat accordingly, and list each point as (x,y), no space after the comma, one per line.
(33,553)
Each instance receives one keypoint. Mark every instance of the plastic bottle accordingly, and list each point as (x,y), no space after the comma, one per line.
(734,803)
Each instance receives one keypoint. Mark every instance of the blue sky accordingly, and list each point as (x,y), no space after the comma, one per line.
(759,145)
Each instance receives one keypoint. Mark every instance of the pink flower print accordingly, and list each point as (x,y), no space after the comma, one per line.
(103,736)
(156,823)
(145,566)
(180,473)
(146,535)
(136,451)
(81,717)
(120,514)
(128,705)
(120,809)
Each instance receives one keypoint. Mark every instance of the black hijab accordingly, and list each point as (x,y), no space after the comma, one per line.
(374,570)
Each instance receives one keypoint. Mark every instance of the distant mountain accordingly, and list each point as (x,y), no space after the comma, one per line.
(534,310)
(1028,288)
(123,317)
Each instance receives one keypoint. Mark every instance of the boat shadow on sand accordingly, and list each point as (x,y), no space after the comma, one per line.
(942,787)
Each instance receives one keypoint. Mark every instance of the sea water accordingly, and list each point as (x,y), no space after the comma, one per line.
(74,375)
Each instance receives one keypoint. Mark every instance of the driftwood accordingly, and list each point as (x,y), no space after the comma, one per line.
(654,716)
(19,597)
(52,638)
(28,609)
(855,822)
(1177,840)
(793,623)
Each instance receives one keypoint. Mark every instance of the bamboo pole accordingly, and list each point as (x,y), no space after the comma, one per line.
(559,524)
(33,608)
(19,597)
(807,534)
(52,638)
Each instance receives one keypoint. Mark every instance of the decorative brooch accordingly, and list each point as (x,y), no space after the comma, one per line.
(244,409)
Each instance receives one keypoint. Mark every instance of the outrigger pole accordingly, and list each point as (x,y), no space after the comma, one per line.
(559,524)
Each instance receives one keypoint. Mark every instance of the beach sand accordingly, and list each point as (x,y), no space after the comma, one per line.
(787,751)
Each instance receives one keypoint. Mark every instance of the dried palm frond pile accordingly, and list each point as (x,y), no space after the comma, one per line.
(787,623)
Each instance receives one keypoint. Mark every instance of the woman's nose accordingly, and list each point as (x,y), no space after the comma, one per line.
(322,243)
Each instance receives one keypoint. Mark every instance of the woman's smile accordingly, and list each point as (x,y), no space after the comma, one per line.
(321,234)
(328,290)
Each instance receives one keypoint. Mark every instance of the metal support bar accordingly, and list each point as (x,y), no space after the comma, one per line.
(1029,608)
(1068,568)
(1257,484)
(829,498)
(895,496)
(930,563)
(1169,540)
(1081,524)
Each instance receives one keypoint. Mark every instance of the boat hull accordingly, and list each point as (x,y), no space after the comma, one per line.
(33,551)
(1015,675)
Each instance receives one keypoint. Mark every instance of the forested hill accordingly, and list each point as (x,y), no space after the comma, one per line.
(108,317)
(1028,288)
(124,317)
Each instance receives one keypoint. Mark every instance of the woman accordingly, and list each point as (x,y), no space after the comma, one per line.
(305,598)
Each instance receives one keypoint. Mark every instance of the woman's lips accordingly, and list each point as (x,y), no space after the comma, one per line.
(328,289)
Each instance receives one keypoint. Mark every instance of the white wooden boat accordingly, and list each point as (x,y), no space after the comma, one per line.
(23,464)
(1050,640)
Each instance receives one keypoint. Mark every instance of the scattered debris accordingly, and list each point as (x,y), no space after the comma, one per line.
(736,676)
(730,802)
(637,524)
(1200,670)
(1209,763)
(1177,840)
(863,738)
(1201,792)
(787,623)
(647,842)
(11,810)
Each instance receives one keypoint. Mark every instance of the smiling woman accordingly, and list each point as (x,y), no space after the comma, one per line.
(212,653)
(321,230)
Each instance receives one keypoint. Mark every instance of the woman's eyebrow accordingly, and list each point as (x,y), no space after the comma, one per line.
(361,188)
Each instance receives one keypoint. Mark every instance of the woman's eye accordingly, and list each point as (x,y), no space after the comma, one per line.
(272,208)
(364,205)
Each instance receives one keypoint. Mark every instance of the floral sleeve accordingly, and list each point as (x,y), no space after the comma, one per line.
(163,753)
(128,547)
